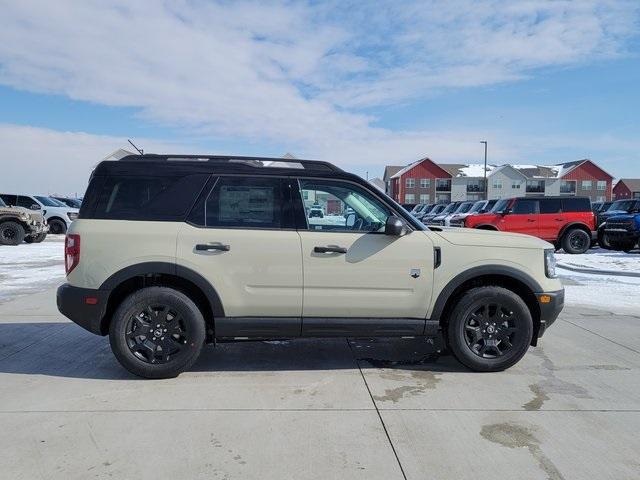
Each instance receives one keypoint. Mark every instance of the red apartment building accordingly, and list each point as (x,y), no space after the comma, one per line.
(627,188)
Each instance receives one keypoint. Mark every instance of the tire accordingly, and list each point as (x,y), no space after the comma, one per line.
(35,238)
(603,241)
(576,241)
(468,330)
(11,233)
(57,227)
(135,338)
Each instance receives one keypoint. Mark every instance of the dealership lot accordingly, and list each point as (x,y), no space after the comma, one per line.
(319,409)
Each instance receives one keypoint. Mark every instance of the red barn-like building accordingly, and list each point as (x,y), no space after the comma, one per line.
(422,181)
(627,188)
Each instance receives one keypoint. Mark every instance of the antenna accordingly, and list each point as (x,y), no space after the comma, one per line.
(140,151)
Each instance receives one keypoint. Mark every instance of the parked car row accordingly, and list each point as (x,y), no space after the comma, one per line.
(30,217)
(570,223)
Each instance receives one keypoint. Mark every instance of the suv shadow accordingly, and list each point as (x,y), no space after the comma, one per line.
(48,353)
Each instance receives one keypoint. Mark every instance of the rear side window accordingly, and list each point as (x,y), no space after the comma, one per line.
(550,205)
(524,206)
(245,202)
(576,205)
(153,198)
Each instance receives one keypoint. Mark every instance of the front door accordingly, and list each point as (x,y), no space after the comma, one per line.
(351,268)
(242,240)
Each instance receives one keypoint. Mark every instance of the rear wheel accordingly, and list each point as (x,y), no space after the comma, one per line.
(576,241)
(11,233)
(489,329)
(157,332)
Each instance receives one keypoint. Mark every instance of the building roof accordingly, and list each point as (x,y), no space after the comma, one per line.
(378,183)
(537,171)
(632,184)
(565,168)
(474,170)
(391,170)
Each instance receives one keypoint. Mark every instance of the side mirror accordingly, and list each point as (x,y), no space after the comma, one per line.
(393,226)
(350,220)
(34,206)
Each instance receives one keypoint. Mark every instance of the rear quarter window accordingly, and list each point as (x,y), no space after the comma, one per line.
(576,205)
(151,198)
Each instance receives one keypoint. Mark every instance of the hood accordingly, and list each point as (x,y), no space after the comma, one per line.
(490,238)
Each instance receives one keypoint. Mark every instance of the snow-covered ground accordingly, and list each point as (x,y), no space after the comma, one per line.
(27,268)
(599,259)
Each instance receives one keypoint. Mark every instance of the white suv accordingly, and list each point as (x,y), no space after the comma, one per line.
(170,253)
(58,215)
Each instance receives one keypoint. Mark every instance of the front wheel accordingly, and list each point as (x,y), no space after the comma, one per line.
(489,329)
(11,233)
(57,227)
(36,238)
(603,241)
(157,332)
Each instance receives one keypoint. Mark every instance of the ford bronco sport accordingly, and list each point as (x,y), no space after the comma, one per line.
(567,222)
(18,224)
(171,252)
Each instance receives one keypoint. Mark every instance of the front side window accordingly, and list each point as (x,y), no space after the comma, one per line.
(525,207)
(28,202)
(245,202)
(348,207)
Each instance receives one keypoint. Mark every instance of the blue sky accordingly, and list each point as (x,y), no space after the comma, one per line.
(362,84)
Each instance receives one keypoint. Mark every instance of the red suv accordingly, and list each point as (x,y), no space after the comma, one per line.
(567,222)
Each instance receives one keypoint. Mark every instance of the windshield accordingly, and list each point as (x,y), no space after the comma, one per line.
(50,202)
(70,202)
(621,205)
(477,206)
(500,206)
(464,207)
(450,208)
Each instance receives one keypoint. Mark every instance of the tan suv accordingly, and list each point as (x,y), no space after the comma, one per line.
(172,252)
(18,224)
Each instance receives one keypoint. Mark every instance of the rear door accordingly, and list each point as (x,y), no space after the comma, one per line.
(551,218)
(353,270)
(242,239)
(523,217)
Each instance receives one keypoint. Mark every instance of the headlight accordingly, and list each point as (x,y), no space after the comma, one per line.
(550,263)
(72,215)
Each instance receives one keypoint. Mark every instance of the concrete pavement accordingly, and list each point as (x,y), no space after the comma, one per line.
(303,409)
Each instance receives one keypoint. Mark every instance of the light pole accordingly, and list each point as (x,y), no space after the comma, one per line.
(486,190)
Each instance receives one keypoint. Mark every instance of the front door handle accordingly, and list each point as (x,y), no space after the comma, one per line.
(530,220)
(204,247)
(331,249)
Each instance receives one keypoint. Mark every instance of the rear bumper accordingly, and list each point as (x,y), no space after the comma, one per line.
(83,306)
(551,304)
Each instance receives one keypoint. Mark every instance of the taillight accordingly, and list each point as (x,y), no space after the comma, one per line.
(71,252)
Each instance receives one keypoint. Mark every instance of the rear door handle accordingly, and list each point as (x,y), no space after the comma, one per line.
(204,247)
(331,249)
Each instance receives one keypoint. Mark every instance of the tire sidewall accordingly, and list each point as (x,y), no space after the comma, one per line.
(166,296)
(467,304)
(57,227)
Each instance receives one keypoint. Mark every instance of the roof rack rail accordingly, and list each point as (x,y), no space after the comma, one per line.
(258,162)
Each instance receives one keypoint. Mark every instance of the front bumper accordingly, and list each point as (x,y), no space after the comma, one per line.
(551,304)
(38,228)
(84,306)
(621,235)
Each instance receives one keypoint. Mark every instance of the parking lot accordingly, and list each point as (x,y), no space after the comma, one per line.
(318,409)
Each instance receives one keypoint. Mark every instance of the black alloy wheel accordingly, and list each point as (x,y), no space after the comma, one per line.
(576,241)
(11,233)
(57,227)
(490,330)
(156,334)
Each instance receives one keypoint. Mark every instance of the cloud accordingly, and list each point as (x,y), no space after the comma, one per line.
(294,73)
